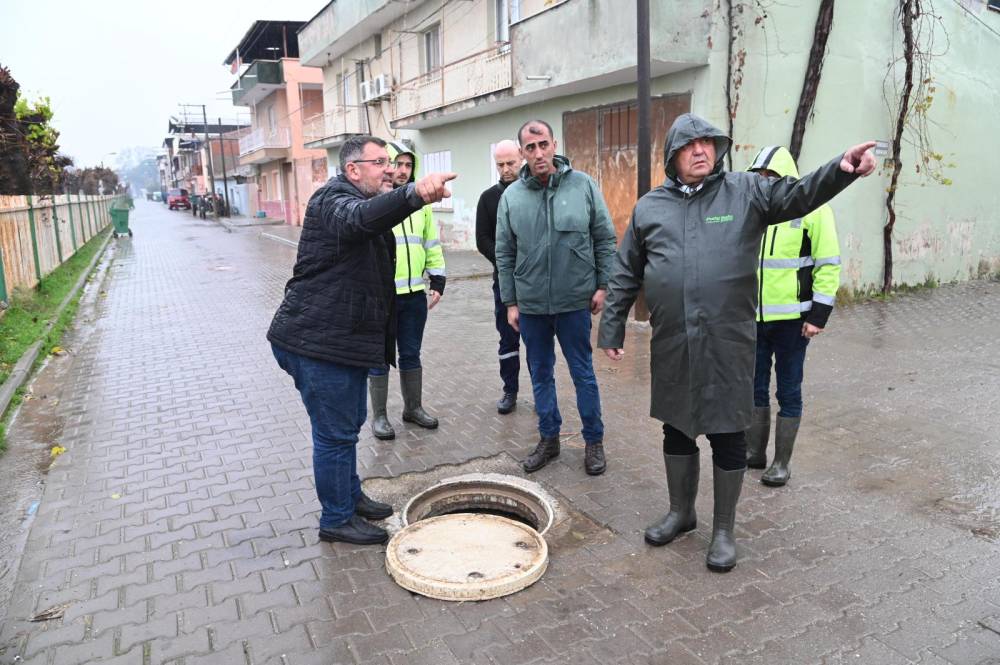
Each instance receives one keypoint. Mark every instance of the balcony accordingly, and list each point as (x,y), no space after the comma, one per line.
(541,69)
(264,145)
(260,80)
(332,128)
(341,26)
(463,80)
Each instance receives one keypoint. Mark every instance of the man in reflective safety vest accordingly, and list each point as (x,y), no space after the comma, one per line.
(798,277)
(418,251)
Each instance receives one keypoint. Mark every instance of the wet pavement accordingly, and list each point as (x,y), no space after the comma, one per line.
(180,525)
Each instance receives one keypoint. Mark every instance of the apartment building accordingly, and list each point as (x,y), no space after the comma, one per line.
(281,94)
(455,76)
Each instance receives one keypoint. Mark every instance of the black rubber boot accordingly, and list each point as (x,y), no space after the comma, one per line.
(378,390)
(546,451)
(722,550)
(682,485)
(785,431)
(411,383)
(757,435)
(507,403)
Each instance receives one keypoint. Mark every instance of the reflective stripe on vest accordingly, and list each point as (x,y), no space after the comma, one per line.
(794,308)
(824,299)
(828,261)
(785,264)
(402,240)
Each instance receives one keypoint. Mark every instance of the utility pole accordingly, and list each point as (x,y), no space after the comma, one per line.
(204,117)
(225,176)
(642,73)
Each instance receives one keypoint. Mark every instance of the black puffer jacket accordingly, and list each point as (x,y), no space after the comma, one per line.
(338,305)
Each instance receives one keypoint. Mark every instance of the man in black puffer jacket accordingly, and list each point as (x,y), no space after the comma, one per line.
(336,321)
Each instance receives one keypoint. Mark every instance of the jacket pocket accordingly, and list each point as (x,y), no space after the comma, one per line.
(569,220)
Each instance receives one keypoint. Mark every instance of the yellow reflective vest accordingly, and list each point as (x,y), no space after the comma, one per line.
(418,249)
(799,271)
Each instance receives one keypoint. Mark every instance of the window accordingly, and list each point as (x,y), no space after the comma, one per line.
(432,49)
(438,162)
(271,121)
(359,75)
(344,85)
(378,44)
(619,128)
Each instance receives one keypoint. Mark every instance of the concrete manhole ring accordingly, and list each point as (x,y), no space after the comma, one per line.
(462,557)
(484,493)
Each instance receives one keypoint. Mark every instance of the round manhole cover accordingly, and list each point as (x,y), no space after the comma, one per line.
(466,556)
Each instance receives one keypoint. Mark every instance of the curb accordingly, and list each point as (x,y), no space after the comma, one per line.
(22,369)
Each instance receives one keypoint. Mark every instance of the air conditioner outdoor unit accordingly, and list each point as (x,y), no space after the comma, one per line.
(367,91)
(382,86)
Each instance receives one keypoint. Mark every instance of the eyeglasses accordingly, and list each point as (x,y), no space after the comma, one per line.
(381,161)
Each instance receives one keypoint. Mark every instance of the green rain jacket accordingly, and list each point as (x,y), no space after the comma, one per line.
(695,250)
(418,249)
(555,242)
(799,271)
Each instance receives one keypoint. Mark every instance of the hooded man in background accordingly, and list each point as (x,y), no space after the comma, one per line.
(798,278)
(693,244)
(418,251)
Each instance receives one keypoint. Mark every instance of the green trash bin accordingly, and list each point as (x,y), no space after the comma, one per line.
(119,217)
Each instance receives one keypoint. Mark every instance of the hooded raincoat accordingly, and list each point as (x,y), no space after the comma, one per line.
(418,249)
(695,250)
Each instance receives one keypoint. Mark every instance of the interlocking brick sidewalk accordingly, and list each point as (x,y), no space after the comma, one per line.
(180,526)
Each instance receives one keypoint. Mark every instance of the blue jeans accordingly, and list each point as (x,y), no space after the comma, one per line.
(784,341)
(510,344)
(411,318)
(334,397)
(573,331)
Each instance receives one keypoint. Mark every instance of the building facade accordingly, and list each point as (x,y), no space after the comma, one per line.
(456,77)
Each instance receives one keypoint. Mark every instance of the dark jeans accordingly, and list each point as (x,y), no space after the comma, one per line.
(510,344)
(784,341)
(729,449)
(411,318)
(334,397)
(573,331)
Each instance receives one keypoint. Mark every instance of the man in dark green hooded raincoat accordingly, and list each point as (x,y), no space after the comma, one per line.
(693,243)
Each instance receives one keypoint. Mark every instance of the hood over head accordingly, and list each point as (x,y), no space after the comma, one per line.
(396,149)
(775,158)
(687,128)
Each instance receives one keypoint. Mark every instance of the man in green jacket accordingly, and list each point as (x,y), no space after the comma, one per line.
(693,244)
(554,247)
(418,251)
(798,278)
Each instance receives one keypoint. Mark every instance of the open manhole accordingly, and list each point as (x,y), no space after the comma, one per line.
(472,537)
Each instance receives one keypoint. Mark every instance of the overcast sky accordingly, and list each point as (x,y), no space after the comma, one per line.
(116,70)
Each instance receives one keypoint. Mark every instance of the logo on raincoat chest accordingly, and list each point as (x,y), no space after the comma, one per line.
(718,219)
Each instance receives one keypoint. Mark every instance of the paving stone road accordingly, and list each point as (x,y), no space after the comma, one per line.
(180,526)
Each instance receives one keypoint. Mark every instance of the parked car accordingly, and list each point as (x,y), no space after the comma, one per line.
(178,198)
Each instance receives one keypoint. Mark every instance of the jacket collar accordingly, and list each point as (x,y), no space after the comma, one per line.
(562,168)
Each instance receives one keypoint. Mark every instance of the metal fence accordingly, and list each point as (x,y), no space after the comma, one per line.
(38,234)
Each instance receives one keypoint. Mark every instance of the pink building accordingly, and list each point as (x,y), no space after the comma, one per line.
(281,94)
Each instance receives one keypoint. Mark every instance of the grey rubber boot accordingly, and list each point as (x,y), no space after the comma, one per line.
(411,382)
(722,550)
(378,390)
(682,484)
(757,435)
(785,431)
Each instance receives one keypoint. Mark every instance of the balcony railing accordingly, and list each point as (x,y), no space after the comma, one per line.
(328,127)
(263,137)
(261,79)
(473,76)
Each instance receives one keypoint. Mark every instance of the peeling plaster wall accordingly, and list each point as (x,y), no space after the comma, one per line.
(942,232)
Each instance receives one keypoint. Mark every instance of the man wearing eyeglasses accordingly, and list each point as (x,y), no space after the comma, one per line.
(418,251)
(336,321)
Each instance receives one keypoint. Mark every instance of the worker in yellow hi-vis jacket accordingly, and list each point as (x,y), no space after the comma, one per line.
(418,252)
(798,277)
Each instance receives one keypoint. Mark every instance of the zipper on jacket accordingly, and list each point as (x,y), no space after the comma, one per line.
(774,234)
(406,244)
(760,279)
